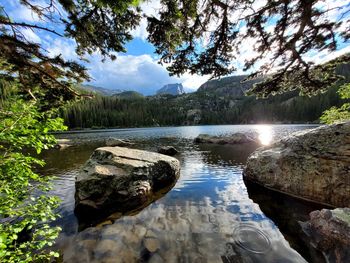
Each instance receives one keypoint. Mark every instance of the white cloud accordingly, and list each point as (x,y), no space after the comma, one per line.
(193,82)
(30,35)
(324,56)
(61,46)
(24,14)
(149,8)
(140,73)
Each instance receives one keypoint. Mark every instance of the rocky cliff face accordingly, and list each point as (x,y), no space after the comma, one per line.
(314,165)
(172,89)
(233,86)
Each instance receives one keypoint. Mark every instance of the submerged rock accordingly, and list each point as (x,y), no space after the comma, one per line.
(62,146)
(236,138)
(329,231)
(313,165)
(121,179)
(117,142)
(168,150)
(152,244)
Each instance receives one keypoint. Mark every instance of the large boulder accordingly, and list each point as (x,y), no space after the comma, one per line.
(312,164)
(122,179)
(329,231)
(236,138)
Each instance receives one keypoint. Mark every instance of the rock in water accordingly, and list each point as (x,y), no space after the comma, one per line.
(313,165)
(236,138)
(62,146)
(168,150)
(329,230)
(121,179)
(152,244)
(117,142)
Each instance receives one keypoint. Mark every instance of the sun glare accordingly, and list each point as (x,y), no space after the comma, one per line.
(265,134)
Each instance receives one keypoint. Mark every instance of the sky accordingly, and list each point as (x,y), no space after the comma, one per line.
(137,69)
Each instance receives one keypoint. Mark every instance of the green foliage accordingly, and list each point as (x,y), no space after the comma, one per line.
(338,114)
(42,84)
(102,25)
(26,209)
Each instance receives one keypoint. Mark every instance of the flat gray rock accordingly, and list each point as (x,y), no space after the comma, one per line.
(121,179)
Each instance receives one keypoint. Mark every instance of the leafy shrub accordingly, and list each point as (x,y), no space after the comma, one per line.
(26,209)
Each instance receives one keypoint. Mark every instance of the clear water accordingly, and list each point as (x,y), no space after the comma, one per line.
(210,215)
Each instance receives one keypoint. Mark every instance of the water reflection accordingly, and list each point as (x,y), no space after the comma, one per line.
(286,212)
(207,217)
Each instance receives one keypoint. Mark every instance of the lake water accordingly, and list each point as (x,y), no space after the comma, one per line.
(210,215)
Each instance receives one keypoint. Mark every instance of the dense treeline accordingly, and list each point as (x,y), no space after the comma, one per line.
(196,108)
(105,111)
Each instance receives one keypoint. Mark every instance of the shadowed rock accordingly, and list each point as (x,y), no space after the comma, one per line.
(236,138)
(62,146)
(121,179)
(312,164)
(168,150)
(329,231)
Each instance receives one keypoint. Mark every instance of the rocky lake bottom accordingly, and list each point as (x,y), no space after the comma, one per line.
(210,214)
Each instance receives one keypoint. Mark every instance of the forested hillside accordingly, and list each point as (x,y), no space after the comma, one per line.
(219,101)
(196,108)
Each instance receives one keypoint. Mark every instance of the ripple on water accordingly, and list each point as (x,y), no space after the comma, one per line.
(252,239)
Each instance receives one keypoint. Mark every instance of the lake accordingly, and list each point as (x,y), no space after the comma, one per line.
(210,215)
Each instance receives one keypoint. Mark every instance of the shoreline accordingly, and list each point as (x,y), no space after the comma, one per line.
(90,130)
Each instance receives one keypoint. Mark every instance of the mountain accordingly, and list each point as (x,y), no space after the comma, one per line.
(100,90)
(172,89)
(129,95)
(235,86)
(232,86)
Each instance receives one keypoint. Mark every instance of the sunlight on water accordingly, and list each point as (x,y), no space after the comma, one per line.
(265,134)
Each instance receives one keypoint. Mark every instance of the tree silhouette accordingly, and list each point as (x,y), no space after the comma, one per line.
(205,37)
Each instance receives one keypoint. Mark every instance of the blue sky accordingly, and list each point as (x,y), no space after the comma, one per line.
(137,69)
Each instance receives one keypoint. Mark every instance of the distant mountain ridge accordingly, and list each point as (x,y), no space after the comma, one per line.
(172,89)
(101,90)
(129,95)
